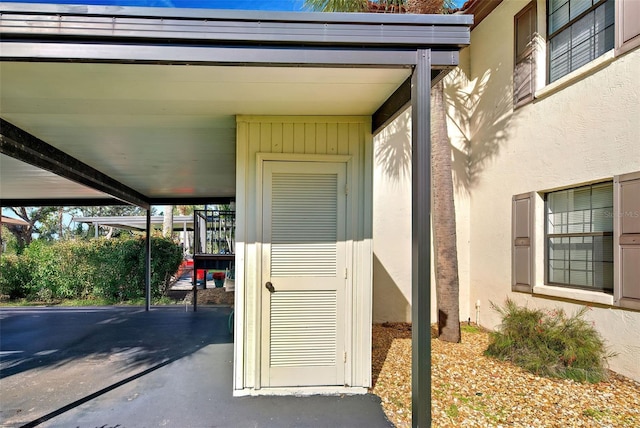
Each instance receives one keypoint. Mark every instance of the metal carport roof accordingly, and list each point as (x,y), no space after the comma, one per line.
(138,104)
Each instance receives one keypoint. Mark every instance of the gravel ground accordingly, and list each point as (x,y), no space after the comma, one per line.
(469,389)
(211,296)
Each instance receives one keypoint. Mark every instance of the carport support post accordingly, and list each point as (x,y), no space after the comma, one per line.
(147,264)
(0,231)
(421,240)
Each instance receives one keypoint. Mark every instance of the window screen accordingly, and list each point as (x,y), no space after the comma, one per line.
(580,237)
(579,32)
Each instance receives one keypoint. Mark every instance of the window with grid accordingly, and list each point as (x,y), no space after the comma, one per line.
(580,237)
(579,31)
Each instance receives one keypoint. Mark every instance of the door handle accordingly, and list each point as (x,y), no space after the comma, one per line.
(269,286)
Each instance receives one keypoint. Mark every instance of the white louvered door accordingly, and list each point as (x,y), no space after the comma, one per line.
(304,258)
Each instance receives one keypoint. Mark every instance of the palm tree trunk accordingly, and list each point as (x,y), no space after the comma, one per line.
(167,221)
(444,222)
(444,219)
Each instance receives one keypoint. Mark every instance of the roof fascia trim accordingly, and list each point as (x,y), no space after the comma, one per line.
(200,200)
(97,202)
(479,9)
(235,15)
(372,30)
(61,202)
(214,55)
(27,148)
(209,55)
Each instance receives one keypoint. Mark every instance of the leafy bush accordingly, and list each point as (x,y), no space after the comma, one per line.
(9,240)
(549,343)
(166,257)
(15,276)
(118,266)
(111,269)
(60,269)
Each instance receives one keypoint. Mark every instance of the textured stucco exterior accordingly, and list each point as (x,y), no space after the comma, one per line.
(583,128)
(392,226)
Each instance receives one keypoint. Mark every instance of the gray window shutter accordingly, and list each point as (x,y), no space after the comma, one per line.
(524,65)
(627,25)
(626,212)
(522,243)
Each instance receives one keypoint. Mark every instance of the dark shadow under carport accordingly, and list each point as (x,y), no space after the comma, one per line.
(125,367)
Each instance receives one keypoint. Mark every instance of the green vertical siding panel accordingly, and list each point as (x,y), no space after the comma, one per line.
(298,138)
(354,138)
(343,138)
(276,138)
(310,138)
(332,138)
(265,138)
(321,138)
(287,138)
(254,137)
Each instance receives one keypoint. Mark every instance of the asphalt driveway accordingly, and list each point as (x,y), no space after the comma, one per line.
(124,367)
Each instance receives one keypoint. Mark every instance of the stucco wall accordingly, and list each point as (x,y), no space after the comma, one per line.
(392,222)
(583,128)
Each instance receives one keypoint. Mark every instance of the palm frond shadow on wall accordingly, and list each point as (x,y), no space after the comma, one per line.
(478,125)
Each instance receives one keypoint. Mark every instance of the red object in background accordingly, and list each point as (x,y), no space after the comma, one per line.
(185,266)
(200,275)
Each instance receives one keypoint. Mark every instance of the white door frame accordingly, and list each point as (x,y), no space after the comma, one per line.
(261,158)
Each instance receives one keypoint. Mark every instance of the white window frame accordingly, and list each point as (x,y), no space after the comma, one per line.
(591,234)
(551,35)
(627,14)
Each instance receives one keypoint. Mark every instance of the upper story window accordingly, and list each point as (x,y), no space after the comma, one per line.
(579,32)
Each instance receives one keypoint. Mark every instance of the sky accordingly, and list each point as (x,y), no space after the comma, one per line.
(283,5)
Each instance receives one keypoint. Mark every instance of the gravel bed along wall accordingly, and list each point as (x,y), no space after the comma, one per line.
(469,389)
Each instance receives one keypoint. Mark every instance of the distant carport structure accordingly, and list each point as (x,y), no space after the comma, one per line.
(181,223)
(141,106)
(10,222)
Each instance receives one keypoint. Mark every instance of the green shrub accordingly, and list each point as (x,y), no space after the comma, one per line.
(111,269)
(116,264)
(60,269)
(9,240)
(549,343)
(166,257)
(15,276)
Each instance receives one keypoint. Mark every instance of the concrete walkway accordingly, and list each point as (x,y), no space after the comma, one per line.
(124,367)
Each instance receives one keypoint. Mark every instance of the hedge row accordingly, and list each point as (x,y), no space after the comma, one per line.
(101,268)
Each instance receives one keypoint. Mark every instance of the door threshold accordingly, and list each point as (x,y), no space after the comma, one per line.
(301,391)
